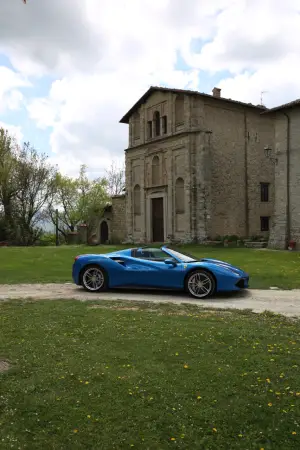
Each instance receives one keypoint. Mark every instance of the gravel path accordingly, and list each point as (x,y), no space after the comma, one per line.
(281,302)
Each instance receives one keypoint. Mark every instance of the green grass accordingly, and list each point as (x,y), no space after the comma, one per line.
(50,264)
(113,378)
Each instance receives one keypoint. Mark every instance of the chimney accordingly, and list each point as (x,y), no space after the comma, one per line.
(216,92)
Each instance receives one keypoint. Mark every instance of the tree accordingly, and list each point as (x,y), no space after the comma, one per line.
(36,187)
(26,185)
(8,179)
(77,200)
(115,179)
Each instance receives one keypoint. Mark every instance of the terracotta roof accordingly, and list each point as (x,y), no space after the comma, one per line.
(285,106)
(125,119)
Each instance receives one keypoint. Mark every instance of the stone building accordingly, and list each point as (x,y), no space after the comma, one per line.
(111,227)
(286,154)
(196,167)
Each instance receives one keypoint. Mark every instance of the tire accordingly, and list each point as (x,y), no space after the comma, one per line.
(94,279)
(207,281)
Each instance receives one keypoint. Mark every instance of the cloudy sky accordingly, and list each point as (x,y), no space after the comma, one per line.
(70,69)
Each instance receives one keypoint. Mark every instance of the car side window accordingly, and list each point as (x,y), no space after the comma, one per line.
(153,254)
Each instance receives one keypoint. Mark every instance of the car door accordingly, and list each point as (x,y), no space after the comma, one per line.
(149,269)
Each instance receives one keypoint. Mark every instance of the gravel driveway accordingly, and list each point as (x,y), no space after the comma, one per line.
(281,302)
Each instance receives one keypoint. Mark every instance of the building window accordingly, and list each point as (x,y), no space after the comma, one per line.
(156,120)
(155,170)
(137,200)
(164,125)
(136,126)
(179,196)
(149,129)
(264,223)
(264,192)
(179,109)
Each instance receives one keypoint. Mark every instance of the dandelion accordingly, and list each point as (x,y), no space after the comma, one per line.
(199,397)
(88,416)
(214,430)
(240,435)
(75,430)
(268,380)
(173,439)
(186,366)
(270,404)
(87,382)
(294,432)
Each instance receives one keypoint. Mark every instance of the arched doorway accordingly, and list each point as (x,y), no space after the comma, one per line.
(103,232)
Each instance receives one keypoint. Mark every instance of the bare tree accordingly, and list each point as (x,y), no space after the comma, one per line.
(115,176)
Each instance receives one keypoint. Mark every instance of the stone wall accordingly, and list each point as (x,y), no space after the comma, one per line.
(118,232)
(238,166)
(279,234)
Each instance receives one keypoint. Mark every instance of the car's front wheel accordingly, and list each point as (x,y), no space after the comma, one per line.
(200,284)
(94,279)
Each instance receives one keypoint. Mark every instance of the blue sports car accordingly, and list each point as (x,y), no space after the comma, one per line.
(160,268)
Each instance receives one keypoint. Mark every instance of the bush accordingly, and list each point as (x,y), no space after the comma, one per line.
(48,239)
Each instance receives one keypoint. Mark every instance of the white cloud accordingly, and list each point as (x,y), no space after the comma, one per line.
(106,54)
(14,131)
(10,83)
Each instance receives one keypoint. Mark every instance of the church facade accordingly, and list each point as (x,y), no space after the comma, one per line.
(196,168)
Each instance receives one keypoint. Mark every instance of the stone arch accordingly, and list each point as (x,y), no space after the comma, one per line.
(104,232)
(179,109)
(156,120)
(179,196)
(155,170)
(137,200)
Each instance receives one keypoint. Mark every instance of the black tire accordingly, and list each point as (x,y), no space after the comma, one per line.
(94,279)
(194,288)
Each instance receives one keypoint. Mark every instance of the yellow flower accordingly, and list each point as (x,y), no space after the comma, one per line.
(240,435)
(294,432)
(186,366)
(199,398)
(88,416)
(173,439)
(87,382)
(215,430)
(268,380)
(269,404)
(176,353)
(75,431)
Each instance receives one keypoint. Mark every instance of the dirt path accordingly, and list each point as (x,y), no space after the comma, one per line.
(283,302)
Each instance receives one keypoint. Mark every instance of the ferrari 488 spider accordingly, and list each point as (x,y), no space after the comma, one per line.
(160,268)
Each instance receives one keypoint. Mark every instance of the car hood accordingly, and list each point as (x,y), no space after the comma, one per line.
(225,265)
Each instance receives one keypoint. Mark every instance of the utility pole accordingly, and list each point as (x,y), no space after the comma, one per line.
(56,228)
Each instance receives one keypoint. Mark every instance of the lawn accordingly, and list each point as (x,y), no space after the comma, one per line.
(96,376)
(50,264)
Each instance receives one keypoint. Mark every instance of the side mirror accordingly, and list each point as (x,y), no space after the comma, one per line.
(170,261)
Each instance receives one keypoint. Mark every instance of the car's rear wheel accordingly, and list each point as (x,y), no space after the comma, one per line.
(200,284)
(94,279)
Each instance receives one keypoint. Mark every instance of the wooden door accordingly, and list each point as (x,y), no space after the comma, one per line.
(158,219)
(103,232)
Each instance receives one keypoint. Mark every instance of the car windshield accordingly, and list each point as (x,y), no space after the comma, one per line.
(184,257)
